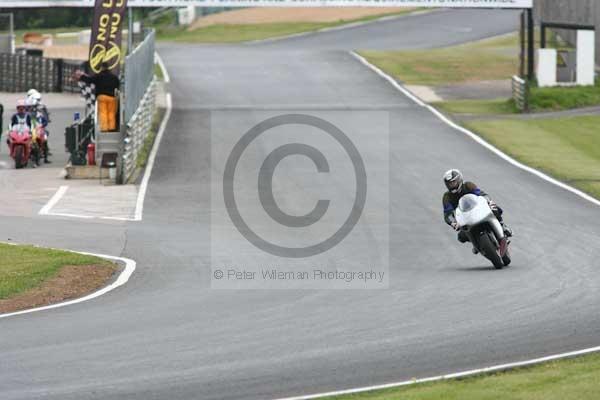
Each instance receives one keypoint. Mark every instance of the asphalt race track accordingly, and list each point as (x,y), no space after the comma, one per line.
(167,335)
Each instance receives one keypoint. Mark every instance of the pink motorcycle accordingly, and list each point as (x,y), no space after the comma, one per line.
(19,144)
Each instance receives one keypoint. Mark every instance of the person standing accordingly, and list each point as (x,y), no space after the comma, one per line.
(106,84)
(1,119)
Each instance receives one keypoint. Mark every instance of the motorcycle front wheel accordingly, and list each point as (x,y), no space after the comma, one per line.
(36,154)
(19,157)
(506,259)
(488,249)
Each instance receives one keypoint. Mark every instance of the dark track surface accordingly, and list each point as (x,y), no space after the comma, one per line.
(166,335)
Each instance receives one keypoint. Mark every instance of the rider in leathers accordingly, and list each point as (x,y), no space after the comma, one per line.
(457,188)
(40,116)
(21,119)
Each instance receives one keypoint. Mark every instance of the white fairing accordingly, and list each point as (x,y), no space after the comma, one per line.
(473,210)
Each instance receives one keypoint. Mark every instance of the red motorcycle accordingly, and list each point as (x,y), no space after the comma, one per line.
(19,144)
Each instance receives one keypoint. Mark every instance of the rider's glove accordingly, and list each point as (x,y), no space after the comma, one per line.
(493,205)
(455,226)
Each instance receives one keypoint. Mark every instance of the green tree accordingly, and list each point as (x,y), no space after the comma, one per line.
(35,18)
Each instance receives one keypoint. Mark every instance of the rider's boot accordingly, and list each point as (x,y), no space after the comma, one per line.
(507,231)
(463,238)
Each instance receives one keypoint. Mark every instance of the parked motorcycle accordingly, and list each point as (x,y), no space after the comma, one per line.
(476,219)
(19,144)
(39,147)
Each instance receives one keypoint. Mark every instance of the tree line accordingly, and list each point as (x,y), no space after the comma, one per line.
(57,17)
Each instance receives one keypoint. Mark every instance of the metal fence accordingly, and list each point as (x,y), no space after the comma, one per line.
(19,73)
(7,33)
(520,91)
(68,82)
(137,130)
(139,72)
(139,101)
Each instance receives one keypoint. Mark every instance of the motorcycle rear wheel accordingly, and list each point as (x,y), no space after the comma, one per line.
(489,250)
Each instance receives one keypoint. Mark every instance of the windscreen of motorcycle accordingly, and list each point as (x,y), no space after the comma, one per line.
(467,203)
(472,210)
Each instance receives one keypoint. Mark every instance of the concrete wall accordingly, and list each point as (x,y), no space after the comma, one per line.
(573,11)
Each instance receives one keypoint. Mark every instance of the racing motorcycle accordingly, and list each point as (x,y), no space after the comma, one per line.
(19,143)
(477,220)
(39,144)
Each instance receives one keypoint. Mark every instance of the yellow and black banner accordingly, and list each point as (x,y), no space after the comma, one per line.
(105,43)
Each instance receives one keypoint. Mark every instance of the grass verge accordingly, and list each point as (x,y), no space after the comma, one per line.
(478,107)
(158,72)
(142,158)
(541,100)
(26,267)
(564,98)
(566,148)
(490,59)
(234,33)
(571,379)
(237,33)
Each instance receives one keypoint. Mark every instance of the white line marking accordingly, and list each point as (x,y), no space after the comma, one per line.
(80,216)
(120,281)
(53,200)
(495,368)
(388,78)
(161,64)
(139,207)
(475,137)
(68,215)
(117,218)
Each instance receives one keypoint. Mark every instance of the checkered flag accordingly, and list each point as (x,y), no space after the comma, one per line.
(88,93)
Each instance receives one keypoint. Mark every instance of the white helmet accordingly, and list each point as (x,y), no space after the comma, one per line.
(453,179)
(33,92)
(34,95)
(30,102)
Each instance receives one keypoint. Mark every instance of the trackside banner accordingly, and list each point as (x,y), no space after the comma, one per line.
(281,3)
(105,42)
